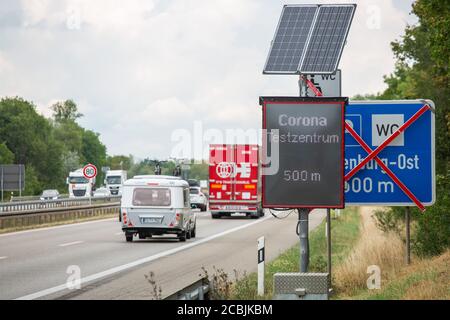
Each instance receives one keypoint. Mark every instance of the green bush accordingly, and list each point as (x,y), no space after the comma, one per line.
(433,226)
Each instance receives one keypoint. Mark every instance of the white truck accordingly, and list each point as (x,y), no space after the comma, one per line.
(114,180)
(79,186)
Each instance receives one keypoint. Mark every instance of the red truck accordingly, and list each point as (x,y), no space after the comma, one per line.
(234,180)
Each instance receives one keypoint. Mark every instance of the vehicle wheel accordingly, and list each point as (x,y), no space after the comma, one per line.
(188,234)
(215,215)
(261,212)
(203,208)
(254,215)
(129,237)
(182,236)
(120,217)
(194,231)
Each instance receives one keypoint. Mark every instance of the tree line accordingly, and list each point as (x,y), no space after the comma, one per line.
(422,72)
(49,148)
(52,147)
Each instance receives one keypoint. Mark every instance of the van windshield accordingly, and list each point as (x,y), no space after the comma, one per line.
(151,197)
(114,180)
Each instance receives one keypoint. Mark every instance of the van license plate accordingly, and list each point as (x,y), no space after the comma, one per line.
(150,220)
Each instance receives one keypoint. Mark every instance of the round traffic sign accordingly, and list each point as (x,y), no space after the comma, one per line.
(89,171)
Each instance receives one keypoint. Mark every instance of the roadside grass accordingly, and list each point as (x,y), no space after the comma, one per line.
(426,279)
(57,223)
(374,248)
(344,234)
(357,243)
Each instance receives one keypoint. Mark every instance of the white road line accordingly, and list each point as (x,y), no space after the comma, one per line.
(3,258)
(70,243)
(56,227)
(133,264)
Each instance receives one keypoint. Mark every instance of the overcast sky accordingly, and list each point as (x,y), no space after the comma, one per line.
(139,70)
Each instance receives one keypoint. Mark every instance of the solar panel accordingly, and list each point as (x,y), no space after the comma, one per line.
(327,39)
(290,39)
(309,39)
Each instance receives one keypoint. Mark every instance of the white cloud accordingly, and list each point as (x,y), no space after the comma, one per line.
(141,69)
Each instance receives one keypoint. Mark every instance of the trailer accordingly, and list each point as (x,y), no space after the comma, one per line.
(234,180)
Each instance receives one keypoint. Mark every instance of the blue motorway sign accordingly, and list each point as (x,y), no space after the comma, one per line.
(410,156)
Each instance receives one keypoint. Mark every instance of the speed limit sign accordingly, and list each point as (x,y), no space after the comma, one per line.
(89,171)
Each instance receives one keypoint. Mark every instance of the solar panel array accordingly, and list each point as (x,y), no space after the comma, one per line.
(290,38)
(327,39)
(309,39)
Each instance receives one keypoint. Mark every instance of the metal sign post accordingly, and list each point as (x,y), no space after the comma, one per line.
(303,214)
(303,233)
(20,181)
(328,230)
(2,181)
(408,236)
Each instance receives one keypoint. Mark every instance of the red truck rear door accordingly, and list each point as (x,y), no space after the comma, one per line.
(246,178)
(221,167)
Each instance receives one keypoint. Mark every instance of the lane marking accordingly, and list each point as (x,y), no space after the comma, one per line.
(133,264)
(4,257)
(56,227)
(70,243)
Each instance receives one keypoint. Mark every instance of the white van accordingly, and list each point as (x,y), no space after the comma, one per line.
(157,205)
(114,180)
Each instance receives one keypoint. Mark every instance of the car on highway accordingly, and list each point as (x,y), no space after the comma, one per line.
(198,198)
(154,205)
(102,192)
(50,194)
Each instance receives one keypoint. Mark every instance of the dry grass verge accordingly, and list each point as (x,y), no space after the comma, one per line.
(424,279)
(433,279)
(385,250)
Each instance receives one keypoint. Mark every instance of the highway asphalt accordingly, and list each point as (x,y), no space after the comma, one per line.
(37,264)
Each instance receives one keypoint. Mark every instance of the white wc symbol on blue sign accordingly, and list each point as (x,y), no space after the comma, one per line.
(384,125)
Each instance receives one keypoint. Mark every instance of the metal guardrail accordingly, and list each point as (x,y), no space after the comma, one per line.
(11,207)
(34,198)
(196,291)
